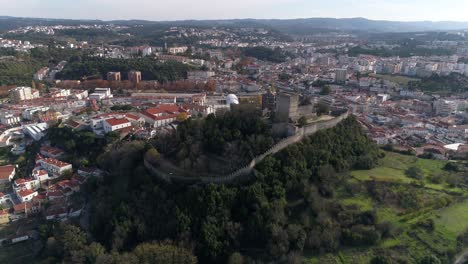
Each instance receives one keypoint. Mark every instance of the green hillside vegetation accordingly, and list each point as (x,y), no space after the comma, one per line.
(266,54)
(287,207)
(335,197)
(224,142)
(427,217)
(99,67)
(18,67)
(453,83)
(401,80)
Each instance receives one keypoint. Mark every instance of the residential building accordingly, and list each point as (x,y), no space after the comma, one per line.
(53,166)
(29,113)
(134,76)
(26,195)
(9,119)
(40,175)
(113,124)
(114,76)
(101,93)
(51,152)
(20,94)
(341,75)
(7,173)
(163,114)
(25,184)
(177,50)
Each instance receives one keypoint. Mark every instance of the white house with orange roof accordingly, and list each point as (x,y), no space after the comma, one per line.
(53,166)
(40,175)
(26,195)
(115,121)
(114,124)
(163,114)
(26,184)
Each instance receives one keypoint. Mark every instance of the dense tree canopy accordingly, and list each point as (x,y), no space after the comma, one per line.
(99,67)
(254,220)
(266,54)
(453,83)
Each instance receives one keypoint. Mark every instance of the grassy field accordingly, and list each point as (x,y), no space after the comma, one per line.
(411,240)
(401,80)
(452,220)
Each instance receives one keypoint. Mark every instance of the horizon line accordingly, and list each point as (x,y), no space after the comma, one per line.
(227,19)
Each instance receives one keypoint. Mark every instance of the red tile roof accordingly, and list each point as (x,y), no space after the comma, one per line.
(55,162)
(24,193)
(116,121)
(5,171)
(51,150)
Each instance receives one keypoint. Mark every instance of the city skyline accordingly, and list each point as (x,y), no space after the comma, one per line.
(394,10)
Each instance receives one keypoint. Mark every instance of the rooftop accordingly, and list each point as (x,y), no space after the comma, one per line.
(5,171)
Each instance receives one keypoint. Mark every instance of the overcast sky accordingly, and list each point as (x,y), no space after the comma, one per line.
(403,10)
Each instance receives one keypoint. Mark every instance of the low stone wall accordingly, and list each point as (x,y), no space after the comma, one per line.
(300,135)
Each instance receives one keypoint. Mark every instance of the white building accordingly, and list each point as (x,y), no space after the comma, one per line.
(80,94)
(8,119)
(28,113)
(26,195)
(40,175)
(341,75)
(36,131)
(177,50)
(25,184)
(53,166)
(114,124)
(101,93)
(445,107)
(146,51)
(20,94)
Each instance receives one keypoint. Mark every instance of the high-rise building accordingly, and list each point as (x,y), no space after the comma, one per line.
(114,76)
(21,93)
(134,76)
(341,75)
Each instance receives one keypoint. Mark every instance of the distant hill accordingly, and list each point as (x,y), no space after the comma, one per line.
(290,26)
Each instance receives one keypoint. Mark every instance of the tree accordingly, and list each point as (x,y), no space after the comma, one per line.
(429,260)
(326,90)
(322,108)
(236,258)
(163,253)
(182,117)
(152,156)
(415,173)
(94,251)
(302,121)
(380,260)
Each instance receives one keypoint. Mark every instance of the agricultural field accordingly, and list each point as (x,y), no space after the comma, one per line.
(430,227)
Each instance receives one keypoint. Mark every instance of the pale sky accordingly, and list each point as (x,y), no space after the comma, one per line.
(401,10)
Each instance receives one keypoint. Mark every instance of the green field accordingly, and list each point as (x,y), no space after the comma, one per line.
(452,220)
(401,80)
(412,240)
